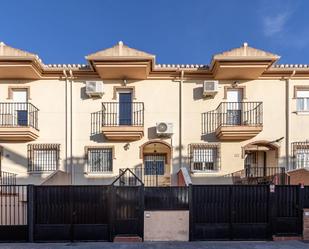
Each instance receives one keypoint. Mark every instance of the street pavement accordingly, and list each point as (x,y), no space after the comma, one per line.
(161,245)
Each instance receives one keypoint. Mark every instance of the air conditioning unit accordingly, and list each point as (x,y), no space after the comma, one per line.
(210,88)
(94,88)
(164,129)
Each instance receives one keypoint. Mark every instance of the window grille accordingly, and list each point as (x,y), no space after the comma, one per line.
(300,152)
(43,157)
(100,160)
(204,157)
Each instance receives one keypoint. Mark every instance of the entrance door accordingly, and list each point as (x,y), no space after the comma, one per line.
(20,107)
(154,164)
(250,163)
(234,99)
(154,168)
(125,108)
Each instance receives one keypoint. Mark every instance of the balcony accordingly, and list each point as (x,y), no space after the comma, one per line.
(260,175)
(18,122)
(234,120)
(120,121)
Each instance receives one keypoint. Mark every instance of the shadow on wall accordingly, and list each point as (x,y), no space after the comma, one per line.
(209,137)
(152,133)
(198,94)
(21,161)
(98,138)
(15,157)
(81,174)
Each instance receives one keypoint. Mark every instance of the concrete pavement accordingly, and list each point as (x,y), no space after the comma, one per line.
(161,245)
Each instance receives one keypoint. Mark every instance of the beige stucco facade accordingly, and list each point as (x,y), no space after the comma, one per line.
(172,94)
(166,225)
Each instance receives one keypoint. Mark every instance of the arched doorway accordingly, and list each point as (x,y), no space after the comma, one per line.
(156,156)
(261,159)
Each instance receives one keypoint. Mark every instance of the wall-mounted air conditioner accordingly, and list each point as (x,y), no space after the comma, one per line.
(94,88)
(164,129)
(210,88)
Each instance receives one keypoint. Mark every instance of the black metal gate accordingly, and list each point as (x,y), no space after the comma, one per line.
(222,212)
(13,213)
(288,209)
(71,213)
(127,211)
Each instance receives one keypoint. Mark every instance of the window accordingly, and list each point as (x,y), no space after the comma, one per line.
(100,160)
(204,157)
(19,93)
(43,157)
(300,154)
(302,100)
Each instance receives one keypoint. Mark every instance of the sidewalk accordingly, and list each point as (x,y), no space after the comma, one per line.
(161,245)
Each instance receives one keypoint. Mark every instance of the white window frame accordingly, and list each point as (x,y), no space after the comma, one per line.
(302,100)
(205,155)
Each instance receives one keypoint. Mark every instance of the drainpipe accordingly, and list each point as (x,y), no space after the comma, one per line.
(66,120)
(287,120)
(71,126)
(182,73)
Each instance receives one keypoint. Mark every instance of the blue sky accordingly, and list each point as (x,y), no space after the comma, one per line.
(176,31)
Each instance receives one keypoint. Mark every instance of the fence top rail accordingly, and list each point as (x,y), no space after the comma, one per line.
(14,186)
(230,185)
(167,187)
(71,186)
(247,186)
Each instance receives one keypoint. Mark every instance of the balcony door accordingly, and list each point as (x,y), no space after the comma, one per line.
(234,106)
(20,107)
(125,108)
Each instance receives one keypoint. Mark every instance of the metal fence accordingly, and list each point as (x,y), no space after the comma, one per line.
(13,213)
(217,212)
(166,198)
(246,212)
(7,178)
(71,213)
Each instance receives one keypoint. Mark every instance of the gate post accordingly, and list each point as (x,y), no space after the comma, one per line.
(190,199)
(272,207)
(231,210)
(301,196)
(30,212)
(111,197)
(141,194)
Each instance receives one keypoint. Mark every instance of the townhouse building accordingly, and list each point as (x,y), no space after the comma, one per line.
(244,117)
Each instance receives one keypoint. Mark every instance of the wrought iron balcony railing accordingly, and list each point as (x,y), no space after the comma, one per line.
(118,114)
(233,114)
(260,175)
(18,114)
(123,113)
